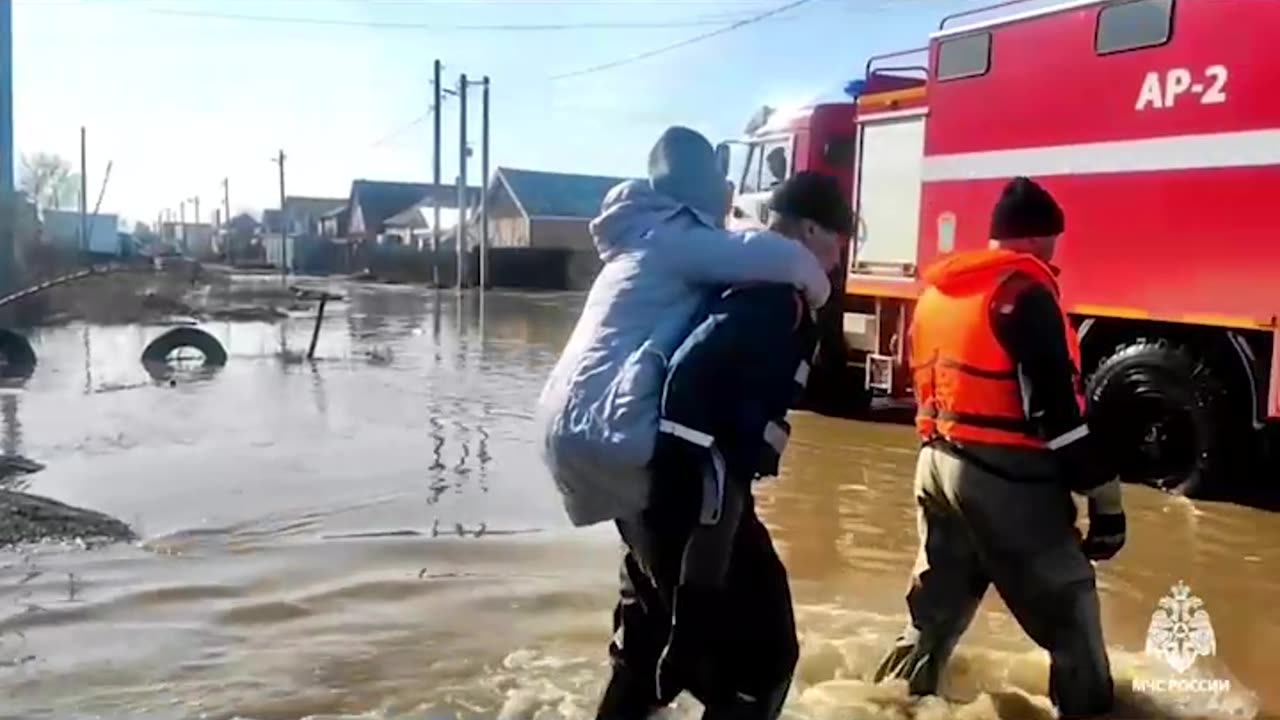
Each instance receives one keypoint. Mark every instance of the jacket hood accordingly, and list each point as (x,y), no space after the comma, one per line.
(627,214)
(963,269)
(682,166)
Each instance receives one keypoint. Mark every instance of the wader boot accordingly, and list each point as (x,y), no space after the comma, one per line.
(978,527)
(745,669)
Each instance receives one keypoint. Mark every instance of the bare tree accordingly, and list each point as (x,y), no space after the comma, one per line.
(48,181)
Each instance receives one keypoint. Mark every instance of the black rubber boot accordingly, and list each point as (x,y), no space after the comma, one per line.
(627,697)
(693,634)
(745,707)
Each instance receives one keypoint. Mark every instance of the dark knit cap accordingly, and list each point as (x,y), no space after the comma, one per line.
(814,196)
(1025,210)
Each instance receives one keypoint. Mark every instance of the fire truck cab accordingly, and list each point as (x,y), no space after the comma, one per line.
(1156,126)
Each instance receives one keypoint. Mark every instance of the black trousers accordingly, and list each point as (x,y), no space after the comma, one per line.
(751,651)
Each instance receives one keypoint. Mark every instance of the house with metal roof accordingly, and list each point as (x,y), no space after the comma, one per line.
(539,209)
(305,213)
(373,202)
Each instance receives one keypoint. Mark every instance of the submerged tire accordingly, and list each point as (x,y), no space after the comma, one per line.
(1162,415)
(17,357)
(158,350)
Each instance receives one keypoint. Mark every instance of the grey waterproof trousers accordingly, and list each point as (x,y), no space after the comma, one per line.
(978,527)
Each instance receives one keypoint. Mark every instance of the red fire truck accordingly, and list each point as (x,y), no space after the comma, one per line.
(1156,124)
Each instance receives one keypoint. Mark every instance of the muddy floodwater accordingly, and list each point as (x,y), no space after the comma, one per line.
(372,535)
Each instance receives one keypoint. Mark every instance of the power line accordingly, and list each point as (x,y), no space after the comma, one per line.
(403,129)
(683,43)
(534,27)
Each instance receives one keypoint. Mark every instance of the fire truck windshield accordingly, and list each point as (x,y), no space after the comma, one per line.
(768,163)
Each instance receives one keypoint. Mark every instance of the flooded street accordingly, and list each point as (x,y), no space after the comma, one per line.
(373,535)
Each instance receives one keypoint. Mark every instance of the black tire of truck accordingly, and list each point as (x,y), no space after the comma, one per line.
(158,350)
(17,357)
(1163,416)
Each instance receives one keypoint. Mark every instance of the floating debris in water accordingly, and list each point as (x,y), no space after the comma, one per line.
(26,519)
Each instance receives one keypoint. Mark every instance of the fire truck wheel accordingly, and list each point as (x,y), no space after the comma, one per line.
(1161,414)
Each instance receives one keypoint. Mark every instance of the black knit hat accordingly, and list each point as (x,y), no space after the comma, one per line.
(814,196)
(1025,210)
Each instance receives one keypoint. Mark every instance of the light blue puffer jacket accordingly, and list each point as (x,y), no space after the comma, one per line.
(599,408)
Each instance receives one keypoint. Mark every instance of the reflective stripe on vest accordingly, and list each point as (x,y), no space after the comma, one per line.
(966,386)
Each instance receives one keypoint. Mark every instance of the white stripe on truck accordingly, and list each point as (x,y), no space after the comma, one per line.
(1253,148)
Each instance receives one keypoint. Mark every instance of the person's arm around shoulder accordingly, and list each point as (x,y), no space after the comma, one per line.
(706,255)
(1028,322)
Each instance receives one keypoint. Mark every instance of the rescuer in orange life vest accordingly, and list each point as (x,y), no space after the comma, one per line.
(995,366)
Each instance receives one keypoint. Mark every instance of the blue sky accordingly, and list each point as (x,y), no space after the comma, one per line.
(178,102)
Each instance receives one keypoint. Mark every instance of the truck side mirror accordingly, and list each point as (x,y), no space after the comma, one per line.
(722,158)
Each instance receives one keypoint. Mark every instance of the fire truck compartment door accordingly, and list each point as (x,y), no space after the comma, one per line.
(889,191)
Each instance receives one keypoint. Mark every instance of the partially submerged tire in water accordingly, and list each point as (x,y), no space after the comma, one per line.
(159,350)
(17,357)
(1162,415)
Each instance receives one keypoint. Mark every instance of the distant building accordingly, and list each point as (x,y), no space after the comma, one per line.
(547,214)
(199,241)
(538,209)
(306,213)
(192,239)
(373,202)
(336,224)
(302,218)
(270,222)
(409,226)
(62,229)
(240,243)
(27,228)
(242,225)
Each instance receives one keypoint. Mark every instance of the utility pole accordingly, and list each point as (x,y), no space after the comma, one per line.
(436,103)
(284,225)
(195,202)
(182,215)
(8,204)
(462,172)
(226,217)
(484,181)
(84,194)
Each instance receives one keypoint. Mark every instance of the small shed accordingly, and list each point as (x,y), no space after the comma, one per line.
(539,209)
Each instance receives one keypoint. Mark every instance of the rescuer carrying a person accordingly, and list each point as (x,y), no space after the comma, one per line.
(705,605)
(996,371)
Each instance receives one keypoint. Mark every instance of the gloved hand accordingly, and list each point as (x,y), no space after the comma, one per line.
(692,628)
(1106,531)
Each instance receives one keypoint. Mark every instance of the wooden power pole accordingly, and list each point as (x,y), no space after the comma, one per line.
(461,227)
(484,181)
(284,225)
(436,102)
(8,201)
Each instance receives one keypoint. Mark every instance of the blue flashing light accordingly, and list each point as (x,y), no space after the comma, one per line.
(855,88)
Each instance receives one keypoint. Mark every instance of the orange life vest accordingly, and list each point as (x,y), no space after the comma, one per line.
(966,386)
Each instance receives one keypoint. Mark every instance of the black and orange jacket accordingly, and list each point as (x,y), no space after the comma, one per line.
(981,376)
